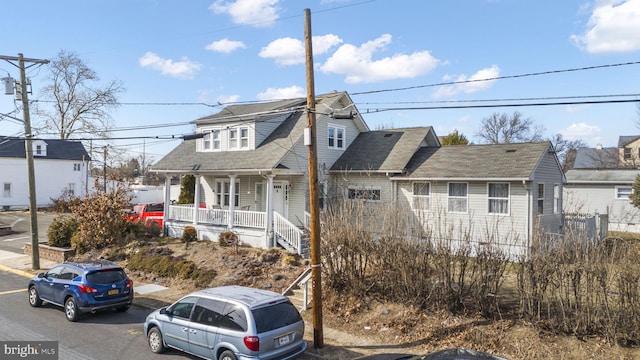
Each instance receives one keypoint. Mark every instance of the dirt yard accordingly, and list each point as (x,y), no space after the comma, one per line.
(357,327)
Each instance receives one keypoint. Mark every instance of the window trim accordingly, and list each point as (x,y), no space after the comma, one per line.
(222,196)
(557,205)
(238,138)
(617,192)
(507,198)
(540,199)
(466,198)
(336,138)
(415,197)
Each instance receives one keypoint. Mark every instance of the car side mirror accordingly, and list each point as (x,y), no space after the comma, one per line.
(165,311)
(41,275)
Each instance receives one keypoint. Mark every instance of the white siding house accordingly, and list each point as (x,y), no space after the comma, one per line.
(251,169)
(60,167)
(600,182)
(483,194)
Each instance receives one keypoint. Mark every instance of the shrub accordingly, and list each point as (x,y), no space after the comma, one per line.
(61,230)
(228,238)
(189,235)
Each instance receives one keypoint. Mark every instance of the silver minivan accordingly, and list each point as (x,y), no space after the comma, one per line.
(229,323)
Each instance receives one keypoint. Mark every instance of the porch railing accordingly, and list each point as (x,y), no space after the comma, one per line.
(287,231)
(219,217)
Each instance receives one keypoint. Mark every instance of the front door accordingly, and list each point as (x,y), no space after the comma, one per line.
(280,198)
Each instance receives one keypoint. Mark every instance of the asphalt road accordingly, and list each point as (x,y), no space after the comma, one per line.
(20,222)
(105,335)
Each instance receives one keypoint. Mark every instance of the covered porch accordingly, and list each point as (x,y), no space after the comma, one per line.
(255,208)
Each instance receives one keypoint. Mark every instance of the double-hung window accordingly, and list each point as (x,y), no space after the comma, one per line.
(458,197)
(421,192)
(540,198)
(223,189)
(6,192)
(336,135)
(211,140)
(498,198)
(239,138)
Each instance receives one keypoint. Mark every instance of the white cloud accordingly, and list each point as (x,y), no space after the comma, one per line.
(357,64)
(579,131)
(290,92)
(468,85)
(614,27)
(225,46)
(226,99)
(183,69)
(290,51)
(258,13)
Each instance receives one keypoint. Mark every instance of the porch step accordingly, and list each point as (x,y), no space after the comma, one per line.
(297,299)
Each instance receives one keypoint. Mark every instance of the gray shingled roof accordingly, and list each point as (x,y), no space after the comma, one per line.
(56,149)
(267,155)
(624,140)
(502,161)
(621,176)
(382,150)
(594,158)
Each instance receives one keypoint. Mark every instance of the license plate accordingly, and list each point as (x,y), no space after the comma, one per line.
(283,340)
(113,292)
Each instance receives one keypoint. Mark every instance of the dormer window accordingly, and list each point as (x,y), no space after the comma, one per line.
(39,148)
(239,138)
(211,140)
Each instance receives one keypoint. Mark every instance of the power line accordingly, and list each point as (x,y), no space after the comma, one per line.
(496,78)
(368,111)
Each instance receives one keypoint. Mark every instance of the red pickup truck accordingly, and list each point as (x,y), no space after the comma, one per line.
(148,213)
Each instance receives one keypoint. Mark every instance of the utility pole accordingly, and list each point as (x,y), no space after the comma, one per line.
(33,211)
(314,205)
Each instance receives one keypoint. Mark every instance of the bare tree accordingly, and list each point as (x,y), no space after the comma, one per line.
(79,104)
(564,148)
(505,129)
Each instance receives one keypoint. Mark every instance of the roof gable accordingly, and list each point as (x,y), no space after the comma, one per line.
(385,150)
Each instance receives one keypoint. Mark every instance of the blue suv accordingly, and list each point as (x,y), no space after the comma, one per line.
(81,287)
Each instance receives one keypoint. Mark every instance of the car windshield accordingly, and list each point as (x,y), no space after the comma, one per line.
(106,276)
(276,316)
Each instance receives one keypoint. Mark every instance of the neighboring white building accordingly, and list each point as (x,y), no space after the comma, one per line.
(60,166)
(601,181)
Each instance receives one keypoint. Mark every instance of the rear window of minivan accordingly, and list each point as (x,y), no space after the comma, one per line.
(275,316)
(106,276)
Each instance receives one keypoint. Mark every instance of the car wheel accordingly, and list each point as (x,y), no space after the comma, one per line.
(71,309)
(155,341)
(34,297)
(122,308)
(227,355)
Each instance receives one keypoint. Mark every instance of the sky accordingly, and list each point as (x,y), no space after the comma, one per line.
(442,63)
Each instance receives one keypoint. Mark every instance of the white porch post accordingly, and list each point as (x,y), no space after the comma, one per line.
(167,204)
(270,241)
(232,199)
(196,200)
